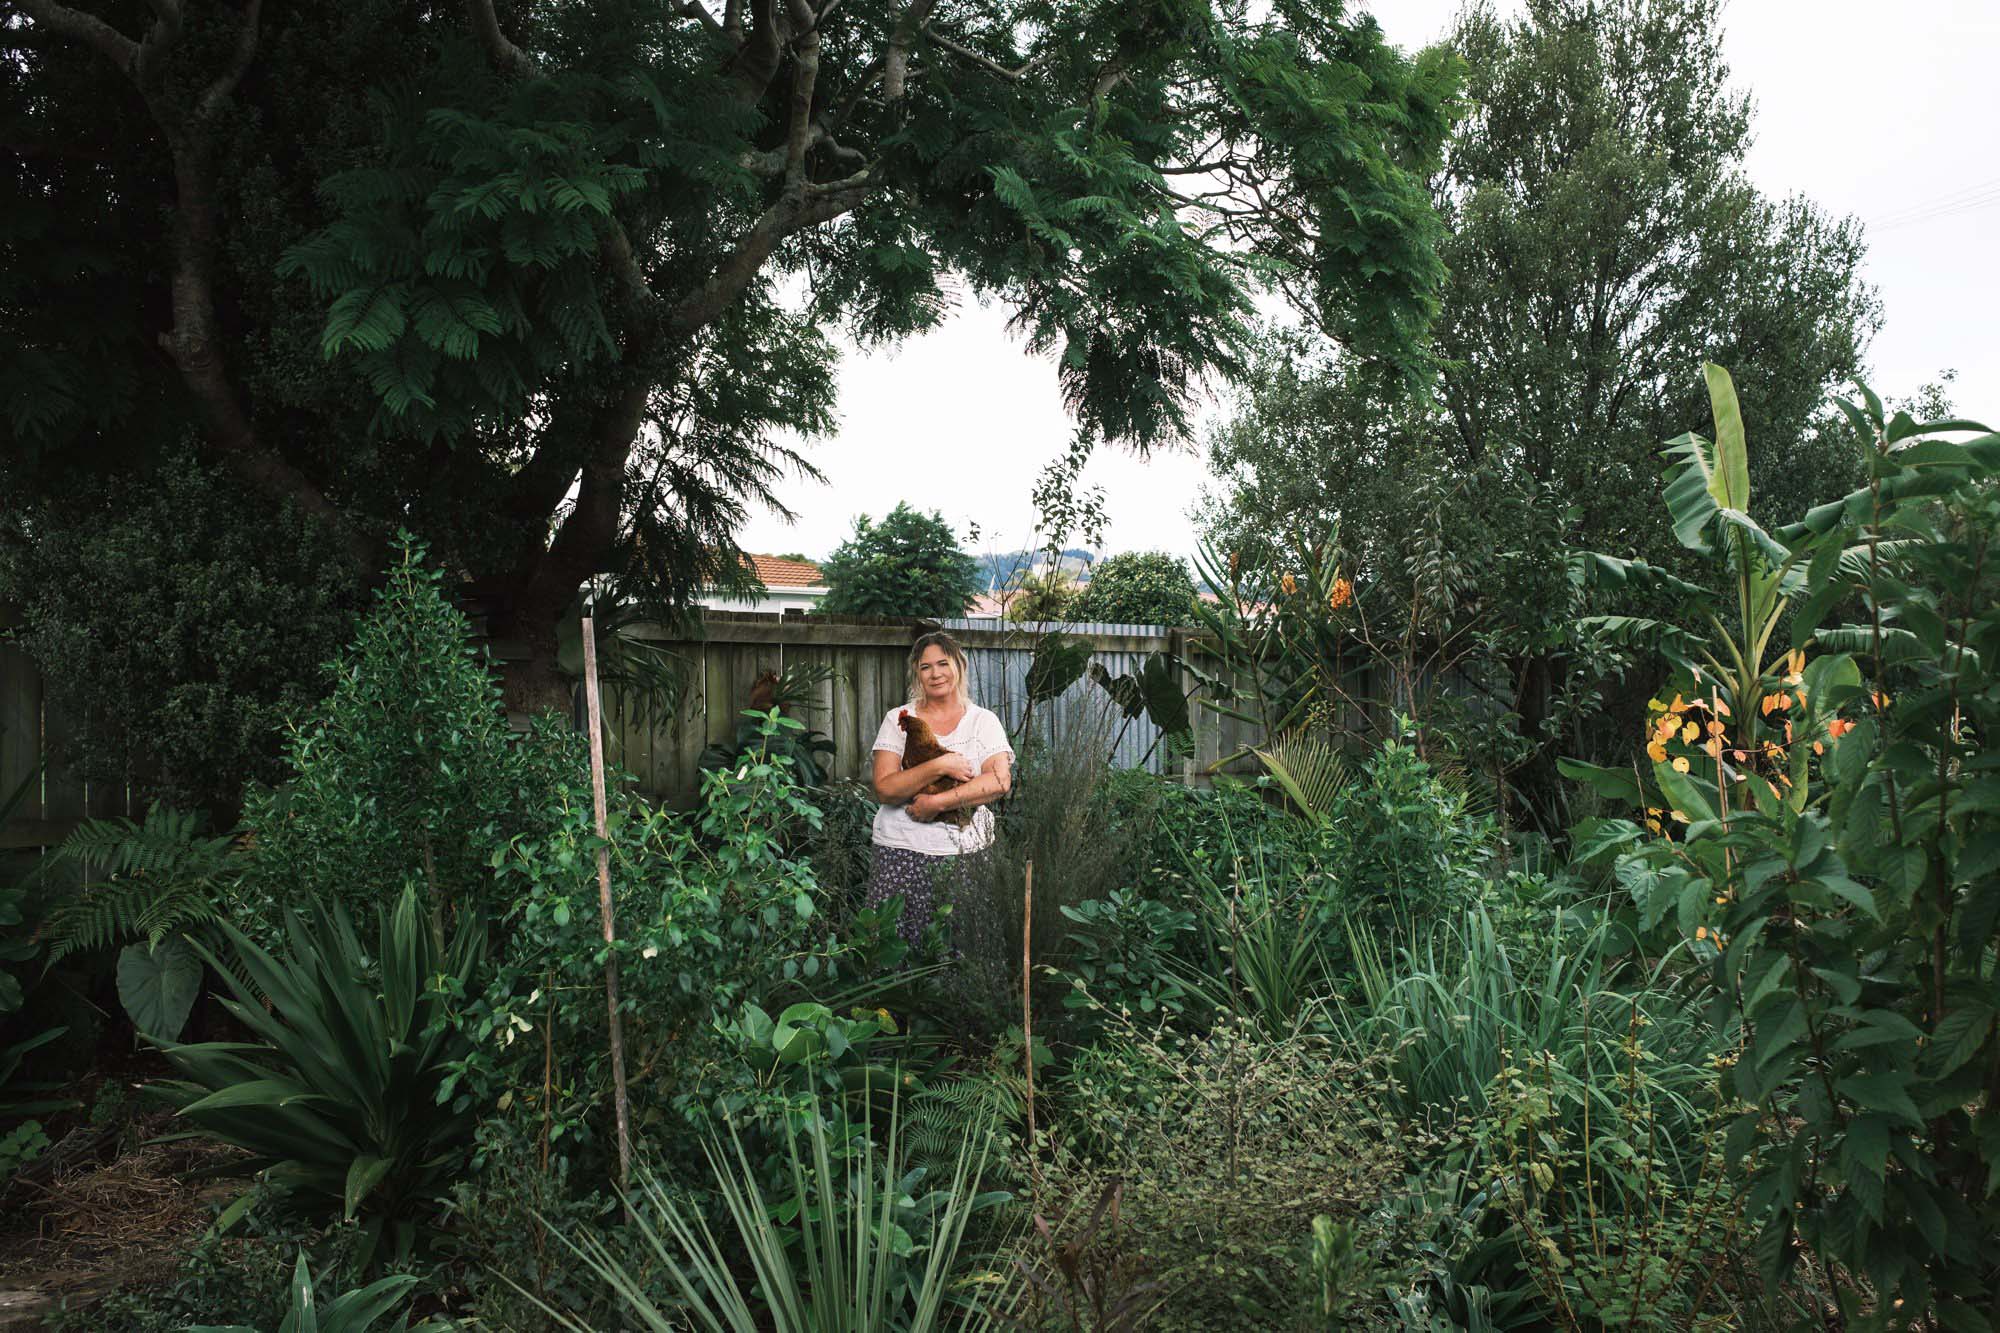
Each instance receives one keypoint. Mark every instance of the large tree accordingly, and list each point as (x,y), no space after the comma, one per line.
(541,281)
(1603,241)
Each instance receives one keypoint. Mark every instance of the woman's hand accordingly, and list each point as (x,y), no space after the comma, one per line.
(952,764)
(924,807)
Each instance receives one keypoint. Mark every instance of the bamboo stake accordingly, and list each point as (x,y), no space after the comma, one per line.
(1028,1014)
(604,901)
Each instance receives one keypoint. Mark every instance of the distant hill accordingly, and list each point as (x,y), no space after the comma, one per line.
(997,567)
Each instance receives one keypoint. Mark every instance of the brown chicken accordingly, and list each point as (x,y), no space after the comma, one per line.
(920,746)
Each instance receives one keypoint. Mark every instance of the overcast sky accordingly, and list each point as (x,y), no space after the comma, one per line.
(1881,112)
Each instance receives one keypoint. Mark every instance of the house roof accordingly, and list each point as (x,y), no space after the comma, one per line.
(985,604)
(773,572)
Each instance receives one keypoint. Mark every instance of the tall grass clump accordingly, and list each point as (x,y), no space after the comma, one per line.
(1453,1003)
(1061,817)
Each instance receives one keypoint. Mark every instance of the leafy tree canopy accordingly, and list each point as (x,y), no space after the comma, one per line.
(1138,588)
(909,564)
(1603,242)
(543,281)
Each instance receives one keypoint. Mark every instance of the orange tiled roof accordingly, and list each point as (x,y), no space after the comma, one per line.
(775,573)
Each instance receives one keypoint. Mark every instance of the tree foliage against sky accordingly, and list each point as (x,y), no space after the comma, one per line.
(1603,241)
(909,564)
(542,281)
(1138,588)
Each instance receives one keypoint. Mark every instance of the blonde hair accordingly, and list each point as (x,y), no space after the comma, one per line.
(939,639)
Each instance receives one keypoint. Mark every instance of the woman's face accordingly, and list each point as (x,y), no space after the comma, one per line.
(937,674)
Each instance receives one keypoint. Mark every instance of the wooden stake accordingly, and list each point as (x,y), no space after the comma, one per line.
(604,901)
(1028,1014)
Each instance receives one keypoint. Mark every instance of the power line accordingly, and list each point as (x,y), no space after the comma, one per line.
(1967,199)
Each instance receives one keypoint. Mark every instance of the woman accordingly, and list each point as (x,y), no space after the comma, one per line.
(915,850)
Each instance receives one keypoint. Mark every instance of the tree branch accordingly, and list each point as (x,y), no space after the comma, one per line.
(985,62)
(87,29)
(224,85)
(486,26)
(757,60)
(896,64)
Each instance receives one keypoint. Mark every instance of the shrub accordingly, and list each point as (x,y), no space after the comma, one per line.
(1821,838)
(1627,1210)
(341,1099)
(1402,842)
(1059,818)
(851,1248)
(1138,588)
(909,564)
(180,621)
(406,773)
(1229,1144)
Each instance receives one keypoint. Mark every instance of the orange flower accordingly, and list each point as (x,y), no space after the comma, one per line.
(1880,699)
(1795,666)
(1713,748)
(1677,816)
(1679,705)
(1688,733)
(1770,702)
(1342,594)
(1701,932)
(1721,708)
(1818,748)
(1681,764)
(1656,752)
(1839,727)
(1289,584)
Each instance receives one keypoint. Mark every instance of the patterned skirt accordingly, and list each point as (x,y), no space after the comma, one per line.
(919,878)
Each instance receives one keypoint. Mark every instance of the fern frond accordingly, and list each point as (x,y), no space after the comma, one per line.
(160,877)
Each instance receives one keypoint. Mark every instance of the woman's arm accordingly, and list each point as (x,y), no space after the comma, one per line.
(995,780)
(895,784)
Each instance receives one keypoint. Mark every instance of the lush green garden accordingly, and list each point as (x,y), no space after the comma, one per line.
(1334,1048)
(1601,927)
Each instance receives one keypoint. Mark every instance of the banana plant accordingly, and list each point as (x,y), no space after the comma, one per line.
(1721,716)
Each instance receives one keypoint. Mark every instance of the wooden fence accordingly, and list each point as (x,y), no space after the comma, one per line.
(29,729)
(867,659)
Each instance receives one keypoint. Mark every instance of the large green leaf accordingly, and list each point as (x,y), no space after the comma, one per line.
(158,986)
(1731,483)
(1710,476)
(1058,663)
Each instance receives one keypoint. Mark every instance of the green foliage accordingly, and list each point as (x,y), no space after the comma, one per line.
(1042,598)
(354,1311)
(406,772)
(1607,140)
(1230,1143)
(1403,843)
(1059,818)
(809,751)
(157,984)
(713,908)
(1138,588)
(1623,1222)
(178,619)
(161,877)
(1833,869)
(844,1248)
(1121,955)
(909,564)
(342,1096)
